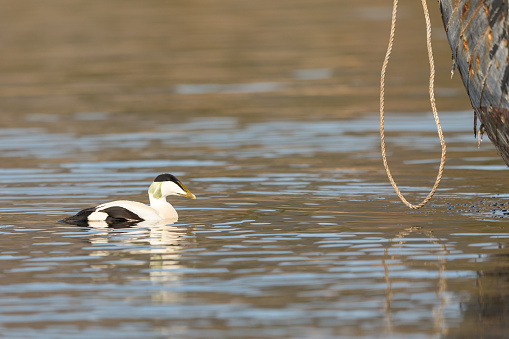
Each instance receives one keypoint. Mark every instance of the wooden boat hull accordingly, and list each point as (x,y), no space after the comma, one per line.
(478,36)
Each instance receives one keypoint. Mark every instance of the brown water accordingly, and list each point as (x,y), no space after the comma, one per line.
(267,112)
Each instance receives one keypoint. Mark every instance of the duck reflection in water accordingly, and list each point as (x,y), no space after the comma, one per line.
(152,250)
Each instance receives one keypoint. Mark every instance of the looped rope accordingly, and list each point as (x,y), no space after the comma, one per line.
(432,101)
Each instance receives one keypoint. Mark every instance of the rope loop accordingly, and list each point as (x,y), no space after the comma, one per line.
(432,101)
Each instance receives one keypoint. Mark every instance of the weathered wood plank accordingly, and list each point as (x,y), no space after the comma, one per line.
(477,31)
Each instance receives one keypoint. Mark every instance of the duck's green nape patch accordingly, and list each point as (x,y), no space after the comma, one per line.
(155,190)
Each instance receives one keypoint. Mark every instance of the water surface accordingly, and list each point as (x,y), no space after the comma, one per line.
(270,120)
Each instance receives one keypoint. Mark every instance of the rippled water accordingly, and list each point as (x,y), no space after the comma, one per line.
(266,111)
(296,233)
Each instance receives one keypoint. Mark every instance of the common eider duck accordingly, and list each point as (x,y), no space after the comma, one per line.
(121,211)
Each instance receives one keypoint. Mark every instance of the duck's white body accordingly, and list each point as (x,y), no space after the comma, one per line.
(159,209)
(132,211)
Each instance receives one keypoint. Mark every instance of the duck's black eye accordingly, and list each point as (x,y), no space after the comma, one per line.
(166,177)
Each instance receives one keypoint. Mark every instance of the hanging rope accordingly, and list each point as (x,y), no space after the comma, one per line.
(432,101)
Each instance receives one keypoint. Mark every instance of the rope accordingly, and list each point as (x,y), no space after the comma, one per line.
(432,101)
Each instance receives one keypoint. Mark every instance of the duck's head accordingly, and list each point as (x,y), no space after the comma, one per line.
(167,184)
